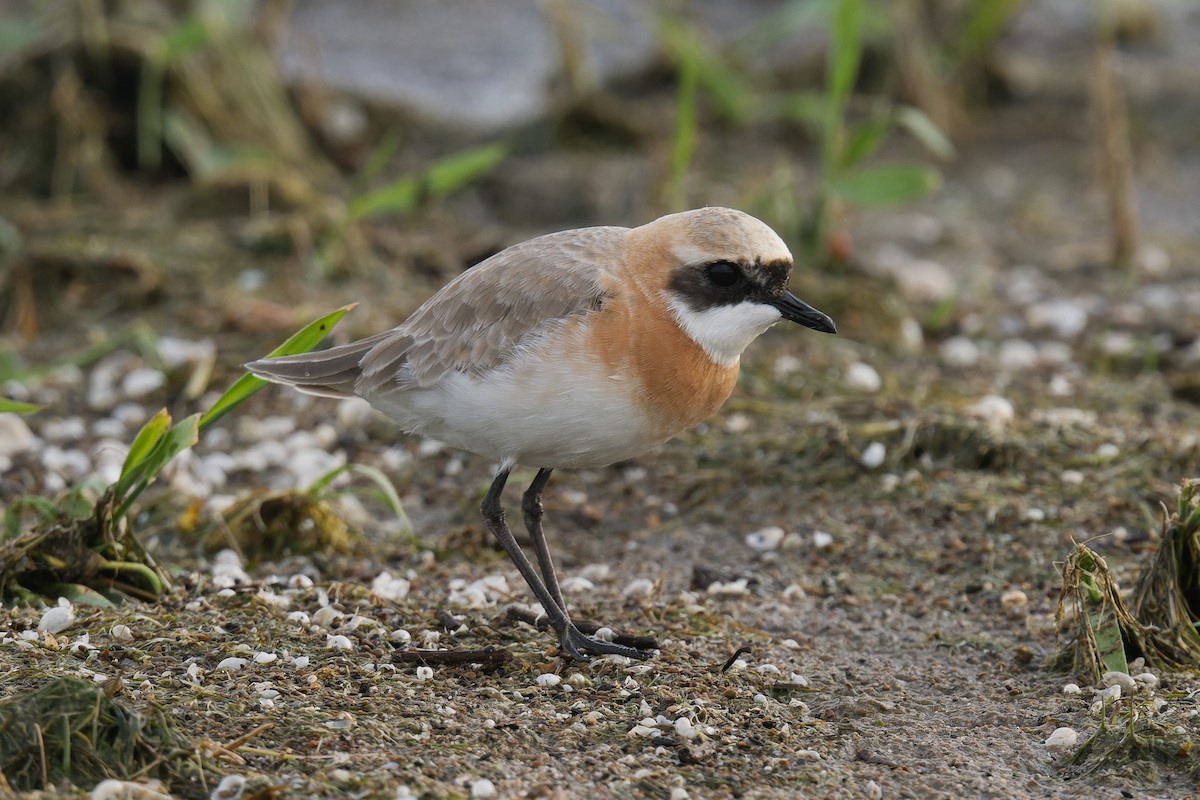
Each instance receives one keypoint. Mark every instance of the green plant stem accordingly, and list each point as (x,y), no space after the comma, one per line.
(145,572)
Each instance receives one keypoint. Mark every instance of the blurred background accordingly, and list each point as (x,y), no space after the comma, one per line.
(153,152)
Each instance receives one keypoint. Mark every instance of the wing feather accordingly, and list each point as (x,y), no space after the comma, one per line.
(474,323)
(477,320)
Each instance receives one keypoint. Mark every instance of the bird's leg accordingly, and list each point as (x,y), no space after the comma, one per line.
(570,639)
(531,508)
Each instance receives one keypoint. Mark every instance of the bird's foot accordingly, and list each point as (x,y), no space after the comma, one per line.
(581,647)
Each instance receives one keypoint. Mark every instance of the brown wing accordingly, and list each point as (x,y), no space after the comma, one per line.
(472,324)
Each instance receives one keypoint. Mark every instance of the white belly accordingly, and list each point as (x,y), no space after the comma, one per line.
(536,412)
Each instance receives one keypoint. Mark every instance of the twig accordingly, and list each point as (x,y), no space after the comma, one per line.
(448,620)
(736,653)
(42,749)
(245,737)
(1115,154)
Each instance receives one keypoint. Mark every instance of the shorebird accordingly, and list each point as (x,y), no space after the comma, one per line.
(575,349)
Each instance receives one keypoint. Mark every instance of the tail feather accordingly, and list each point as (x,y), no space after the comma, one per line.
(328,373)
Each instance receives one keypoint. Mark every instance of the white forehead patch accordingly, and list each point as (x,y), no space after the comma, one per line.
(725,331)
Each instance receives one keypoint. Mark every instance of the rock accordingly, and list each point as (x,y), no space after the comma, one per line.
(15,436)
(862,377)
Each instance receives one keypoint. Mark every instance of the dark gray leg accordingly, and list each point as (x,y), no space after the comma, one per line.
(570,640)
(531,508)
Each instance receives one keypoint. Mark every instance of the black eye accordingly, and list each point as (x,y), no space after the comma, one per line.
(724,274)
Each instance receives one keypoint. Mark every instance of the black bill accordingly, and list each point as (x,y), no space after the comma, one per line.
(796,310)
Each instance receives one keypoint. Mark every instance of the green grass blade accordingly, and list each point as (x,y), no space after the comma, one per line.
(454,172)
(380,157)
(180,437)
(388,491)
(143,445)
(845,51)
(301,341)
(925,131)
(864,140)
(399,197)
(16,407)
(440,178)
(885,186)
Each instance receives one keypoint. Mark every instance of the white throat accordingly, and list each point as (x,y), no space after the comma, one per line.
(723,332)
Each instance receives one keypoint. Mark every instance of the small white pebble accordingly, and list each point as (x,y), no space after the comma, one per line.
(424,673)
(327,616)
(548,679)
(232,663)
(873,791)
(992,410)
(679,793)
(643,731)
(230,788)
(141,382)
(59,618)
(639,587)
(1016,355)
(1013,600)
(604,634)
(765,539)
(1108,451)
(338,642)
(959,351)
(300,662)
(735,588)
(1147,680)
(1111,694)
(390,587)
(738,423)
(1071,477)
(862,377)
(761,699)
(791,644)
(1114,678)
(684,728)
(483,788)
(1062,739)
(401,636)
(821,539)
(1071,689)
(874,455)
(577,584)
(264,658)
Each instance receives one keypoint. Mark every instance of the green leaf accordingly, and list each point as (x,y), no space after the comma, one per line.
(864,140)
(388,491)
(1101,618)
(845,50)
(984,22)
(301,341)
(399,197)
(925,131)
(190,35)
(180,437)
(143,445)
(439,178)
(380,157)
(454,172)
(810,109)
(16,407)
(884,186)
(78,594)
